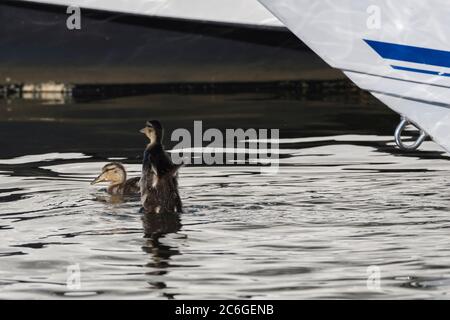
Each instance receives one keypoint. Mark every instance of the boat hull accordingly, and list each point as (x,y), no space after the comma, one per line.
(117,48)
(398,50)
(241,12)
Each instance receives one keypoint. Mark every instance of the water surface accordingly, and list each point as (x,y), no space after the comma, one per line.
(344,200)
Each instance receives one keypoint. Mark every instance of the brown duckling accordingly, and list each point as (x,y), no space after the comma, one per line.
(159,180)
(116,174)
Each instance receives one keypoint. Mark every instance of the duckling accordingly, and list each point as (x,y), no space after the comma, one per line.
(116,174)
(159,180)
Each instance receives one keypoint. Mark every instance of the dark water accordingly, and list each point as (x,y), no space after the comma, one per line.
(344,200)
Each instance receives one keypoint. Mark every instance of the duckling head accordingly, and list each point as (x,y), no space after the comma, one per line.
(112,172)
(154,132)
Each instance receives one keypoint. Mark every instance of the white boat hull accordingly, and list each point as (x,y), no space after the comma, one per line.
(120,48)
(244,12)
(398,50)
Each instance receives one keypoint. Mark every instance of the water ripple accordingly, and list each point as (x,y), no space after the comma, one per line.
(311,231)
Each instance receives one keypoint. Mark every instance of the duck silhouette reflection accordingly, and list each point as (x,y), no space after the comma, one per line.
(156,226)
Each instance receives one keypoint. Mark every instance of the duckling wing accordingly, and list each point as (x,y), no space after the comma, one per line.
(132,186)
(158,161)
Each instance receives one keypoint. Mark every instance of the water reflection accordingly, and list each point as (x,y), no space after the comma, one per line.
(104,197)
(156,227)
(344,199)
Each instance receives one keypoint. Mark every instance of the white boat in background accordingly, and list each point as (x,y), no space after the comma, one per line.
(242,12)
(397,50)
(151,42)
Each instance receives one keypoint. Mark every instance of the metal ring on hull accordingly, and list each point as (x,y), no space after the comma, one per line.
(398,136)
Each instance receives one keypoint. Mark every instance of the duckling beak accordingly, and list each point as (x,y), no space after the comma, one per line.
(99,179)
(144,130)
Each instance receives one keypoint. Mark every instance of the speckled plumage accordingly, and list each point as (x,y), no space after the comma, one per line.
(129,187)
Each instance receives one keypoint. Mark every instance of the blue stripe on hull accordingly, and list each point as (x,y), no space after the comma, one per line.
(435,73)
(412,54)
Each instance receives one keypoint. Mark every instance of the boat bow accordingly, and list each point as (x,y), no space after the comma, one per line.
(397,50)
